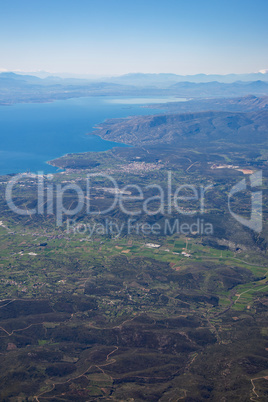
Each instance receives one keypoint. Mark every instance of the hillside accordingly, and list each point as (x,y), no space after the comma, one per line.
(187,128)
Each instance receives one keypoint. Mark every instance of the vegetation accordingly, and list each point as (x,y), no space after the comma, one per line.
(88,315)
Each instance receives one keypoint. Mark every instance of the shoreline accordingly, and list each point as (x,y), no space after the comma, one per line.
(97,127)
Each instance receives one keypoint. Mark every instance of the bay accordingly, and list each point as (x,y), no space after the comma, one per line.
(33,133)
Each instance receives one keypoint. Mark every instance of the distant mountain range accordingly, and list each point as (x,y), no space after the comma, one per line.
(16,88)
(165,79)
(142,79)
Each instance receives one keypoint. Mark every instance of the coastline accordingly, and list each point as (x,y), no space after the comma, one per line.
(123,115)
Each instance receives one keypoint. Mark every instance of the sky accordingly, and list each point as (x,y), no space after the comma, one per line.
(114,37)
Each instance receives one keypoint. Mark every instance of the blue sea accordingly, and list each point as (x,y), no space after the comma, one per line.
(33,133)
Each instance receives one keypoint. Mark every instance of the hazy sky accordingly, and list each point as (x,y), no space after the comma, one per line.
(119,36)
